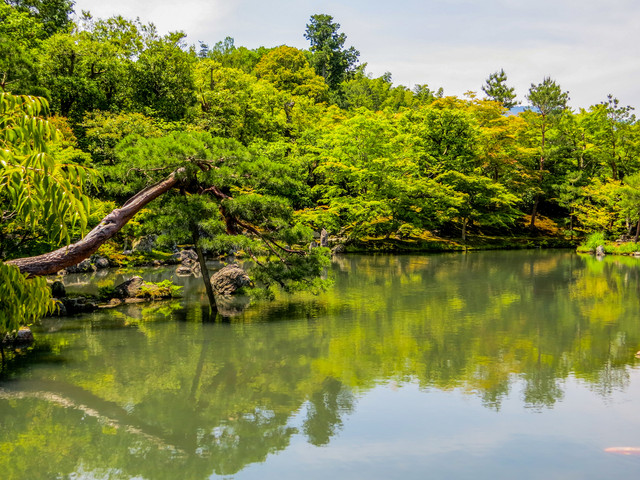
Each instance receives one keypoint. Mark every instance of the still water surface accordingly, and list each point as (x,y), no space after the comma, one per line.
(496,365)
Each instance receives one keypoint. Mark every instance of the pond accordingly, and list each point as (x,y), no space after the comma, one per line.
(496,365)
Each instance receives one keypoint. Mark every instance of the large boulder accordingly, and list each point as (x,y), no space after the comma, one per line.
(84,266)
(228,280)
(600,251)
(186,256)
(75,305)
(101,262)
(58,290)
(22,337)
(145,244)
(128,289)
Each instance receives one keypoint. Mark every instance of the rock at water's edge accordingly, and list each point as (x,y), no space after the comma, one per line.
(58,290)
(340,248)
(101,262)
(145,244)
(229,280)
(128,289)
(22,337)
(84,266)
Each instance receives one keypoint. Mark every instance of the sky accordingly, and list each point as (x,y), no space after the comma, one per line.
(591,48)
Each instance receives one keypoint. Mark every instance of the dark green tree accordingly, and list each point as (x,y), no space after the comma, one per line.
(329,57)
(424,95)
(548,98)
(54,14)
(496,89)
(610,128)
(20,34)
(162,77)
(549,102)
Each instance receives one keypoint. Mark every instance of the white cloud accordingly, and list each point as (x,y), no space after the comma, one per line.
(188,15)
(590,47)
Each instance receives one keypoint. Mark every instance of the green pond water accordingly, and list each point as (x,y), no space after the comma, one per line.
(496,365)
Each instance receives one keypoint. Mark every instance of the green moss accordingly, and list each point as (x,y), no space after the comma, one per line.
(113,252)
(105,293)
(164,289)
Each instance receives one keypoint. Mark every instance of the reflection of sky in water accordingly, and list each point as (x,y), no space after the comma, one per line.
(408,433)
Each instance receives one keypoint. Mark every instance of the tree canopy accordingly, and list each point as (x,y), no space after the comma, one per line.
(330,58)
(252,150)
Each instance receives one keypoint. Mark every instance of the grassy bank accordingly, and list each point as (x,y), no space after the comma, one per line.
(617,247)
(440,244)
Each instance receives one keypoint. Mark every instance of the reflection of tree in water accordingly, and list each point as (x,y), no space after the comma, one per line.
(609,379)
(245,440)
(226,394)
(325,408)
(541,387)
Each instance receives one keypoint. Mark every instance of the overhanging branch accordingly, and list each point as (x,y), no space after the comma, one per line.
(50,263)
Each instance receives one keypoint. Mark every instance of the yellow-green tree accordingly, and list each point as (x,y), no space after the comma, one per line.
(36,190)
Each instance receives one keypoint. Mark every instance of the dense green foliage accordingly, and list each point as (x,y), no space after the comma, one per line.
(38,193)
(331,60)
(290,141)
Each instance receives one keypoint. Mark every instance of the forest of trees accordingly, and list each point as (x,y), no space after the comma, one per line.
(253,149)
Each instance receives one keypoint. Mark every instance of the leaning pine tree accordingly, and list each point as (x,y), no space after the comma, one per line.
(226,200)
(213,193)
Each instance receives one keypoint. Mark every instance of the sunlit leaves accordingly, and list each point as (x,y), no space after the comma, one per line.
(288,69)
(23,300)
(39,190)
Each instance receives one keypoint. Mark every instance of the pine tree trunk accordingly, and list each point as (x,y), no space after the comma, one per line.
(206,278)
(52,262)
(635,239)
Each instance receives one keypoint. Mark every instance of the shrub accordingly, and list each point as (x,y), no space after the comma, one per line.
(594,240)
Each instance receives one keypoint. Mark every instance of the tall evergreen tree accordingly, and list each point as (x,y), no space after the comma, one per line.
(330,59)
(496,89)
(550,102)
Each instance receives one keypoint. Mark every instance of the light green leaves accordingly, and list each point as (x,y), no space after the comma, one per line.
(36,188)
(22,300)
